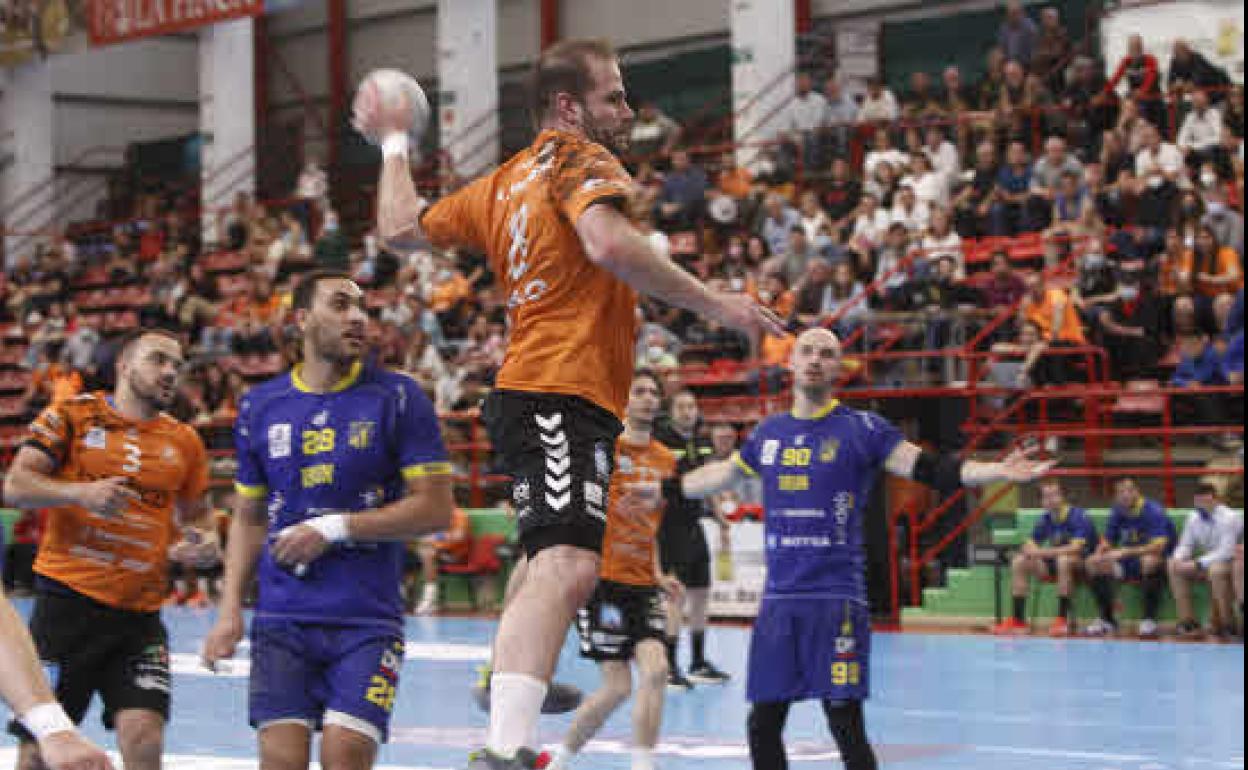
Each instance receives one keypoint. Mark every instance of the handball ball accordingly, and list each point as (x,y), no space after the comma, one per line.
(391,85)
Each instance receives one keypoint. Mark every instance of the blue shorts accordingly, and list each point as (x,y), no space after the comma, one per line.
(1129,569)
(316,674)
(810,649)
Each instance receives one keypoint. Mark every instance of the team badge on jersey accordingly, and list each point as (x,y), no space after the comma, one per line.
(828,450)
(361,434)
(96,438)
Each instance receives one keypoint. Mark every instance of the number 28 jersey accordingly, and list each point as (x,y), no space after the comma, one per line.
(352,449)
(817,475)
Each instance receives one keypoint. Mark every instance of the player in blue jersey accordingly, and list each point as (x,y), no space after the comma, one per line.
(818,465)
(339,464)
(1137,542)
(1061,541)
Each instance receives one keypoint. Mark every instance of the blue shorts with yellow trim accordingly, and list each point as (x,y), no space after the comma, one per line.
(810,648)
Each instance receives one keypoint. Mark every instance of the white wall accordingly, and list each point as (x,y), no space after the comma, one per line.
(519,32)
(161,68)
(634,22)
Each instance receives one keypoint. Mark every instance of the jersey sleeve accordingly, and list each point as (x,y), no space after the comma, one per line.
(880,438)
(1042,531)
(746,457)
(250,481)
(51,433)
(1113,531)
(589,175)
(418,438)
(1159,526)
(455,219)
(195,482)
(1087,531)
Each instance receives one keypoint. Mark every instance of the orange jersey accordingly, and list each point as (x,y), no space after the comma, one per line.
(628,548)
(122,561)
(573,323)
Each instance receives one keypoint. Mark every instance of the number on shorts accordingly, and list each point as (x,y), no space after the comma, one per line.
(846,674)
(381,693)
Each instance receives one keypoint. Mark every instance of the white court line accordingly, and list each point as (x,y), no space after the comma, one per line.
(1094,756)
(8,757)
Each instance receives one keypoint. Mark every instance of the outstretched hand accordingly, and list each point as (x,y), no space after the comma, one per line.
(1021,467)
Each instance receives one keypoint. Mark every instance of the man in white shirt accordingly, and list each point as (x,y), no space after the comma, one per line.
(943,154)
(910,211)
(807,115)
(1205,553)
(1158,162)
(1201,131)
(879,105)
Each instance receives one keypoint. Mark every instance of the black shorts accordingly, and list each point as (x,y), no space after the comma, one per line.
(618,618)
(688,557)
(559,451)
(88,648)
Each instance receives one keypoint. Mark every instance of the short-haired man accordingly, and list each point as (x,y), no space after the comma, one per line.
(1205,553)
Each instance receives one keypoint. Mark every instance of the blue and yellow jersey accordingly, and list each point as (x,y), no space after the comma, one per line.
(351,449)
(1146,523)
(1069,526)
(817,475)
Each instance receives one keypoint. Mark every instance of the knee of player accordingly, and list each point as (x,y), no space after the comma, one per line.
(1067,564)
(1220,571)
(1019,563)
(654,675)
(142,741)
(1152,564)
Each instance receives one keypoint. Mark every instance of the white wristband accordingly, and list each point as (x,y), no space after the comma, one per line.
(47,719)
(332,527)
(395,144)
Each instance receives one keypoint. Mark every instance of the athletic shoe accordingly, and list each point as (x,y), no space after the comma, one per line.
(1101,628)
(678,682)
(1186,629)
(560,698)
(198,600)
(428,606)
(1148,629)
(706,673)
(1010,627)
(524,760)
(1060,627)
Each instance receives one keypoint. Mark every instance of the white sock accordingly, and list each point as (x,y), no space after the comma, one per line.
(516,704)
(643,759)
(562,759)
(431,592)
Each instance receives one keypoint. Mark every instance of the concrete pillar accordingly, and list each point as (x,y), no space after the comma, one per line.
(227,116)
(27,153)
(764,53)
(468,83)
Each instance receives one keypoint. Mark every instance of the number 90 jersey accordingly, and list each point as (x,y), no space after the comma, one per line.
(817,475)
(351,449)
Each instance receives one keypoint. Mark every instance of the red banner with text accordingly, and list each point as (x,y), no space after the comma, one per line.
(116,21)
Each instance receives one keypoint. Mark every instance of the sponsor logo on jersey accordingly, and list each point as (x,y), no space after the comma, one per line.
(279,440)
(95,438)
(828,450)
(771,447)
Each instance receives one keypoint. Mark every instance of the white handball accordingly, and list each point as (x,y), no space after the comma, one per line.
(392,86)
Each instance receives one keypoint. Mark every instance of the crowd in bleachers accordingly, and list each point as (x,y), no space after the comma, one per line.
(1090,210)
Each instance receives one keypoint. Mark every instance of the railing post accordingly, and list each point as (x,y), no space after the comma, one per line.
(1167,447)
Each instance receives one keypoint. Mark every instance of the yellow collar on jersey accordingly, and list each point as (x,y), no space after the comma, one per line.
(819,415)
(296,379)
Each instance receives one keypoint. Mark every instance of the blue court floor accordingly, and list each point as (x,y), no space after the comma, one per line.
(941,702)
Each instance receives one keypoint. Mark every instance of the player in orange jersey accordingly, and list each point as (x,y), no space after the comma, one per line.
(626,621)
(554,223)
(122,478)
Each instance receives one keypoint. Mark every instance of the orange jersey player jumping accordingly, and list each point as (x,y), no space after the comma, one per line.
(625,620)
(122,479)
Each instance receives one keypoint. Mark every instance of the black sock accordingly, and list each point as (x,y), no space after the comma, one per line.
(1020,608)
(1063,607)
(697,641)
(766,735)
(671,643)
(1103,590)
(1153,585)
(849,729)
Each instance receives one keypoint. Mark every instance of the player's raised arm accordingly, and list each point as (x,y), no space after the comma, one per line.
(945,472)
(387,120)
(614,243)
(712,478)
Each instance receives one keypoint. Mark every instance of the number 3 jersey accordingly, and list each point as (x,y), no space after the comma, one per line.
(817,475)
(351,449)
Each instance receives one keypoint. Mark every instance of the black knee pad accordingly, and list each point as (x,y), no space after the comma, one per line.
(848,726)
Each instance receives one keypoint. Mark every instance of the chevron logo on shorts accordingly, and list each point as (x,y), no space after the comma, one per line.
(558,462)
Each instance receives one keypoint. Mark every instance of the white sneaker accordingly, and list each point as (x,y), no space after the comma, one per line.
(1148,629)
(1100,628)
(428,603)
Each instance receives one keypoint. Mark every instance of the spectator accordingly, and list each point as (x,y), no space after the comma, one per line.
(910,211)
(1052,311)
(891,271)
(844,303)
(973,202)
(79,351)
(814,219)
(988,92)
(955,99)
(454,546)
(1173,268)
(882,151)
(1089,110)
(841,194)
(1204,554)
(1018,35)
(1191,71)
(941,241)
(1070,201)
(1053,49)
(1046,176)
(1201,132)
(797,254)
(1138,539)
(733,180)
(653,133)
(1130,327)
(1200,365)
(1226,223)
(1139,69)
(1036,369)
(943,154)
(1096,284)
(1233,112)
(1003,288)
(930,186)
(879,105)
(808,113)
(1160,168)
(773,292)
(331,251)
(842,116)
(1062,540)
(812,292)
(683,200)
(1011,210)
(1216,269)
(311,193)
(778,222)
(921,103)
